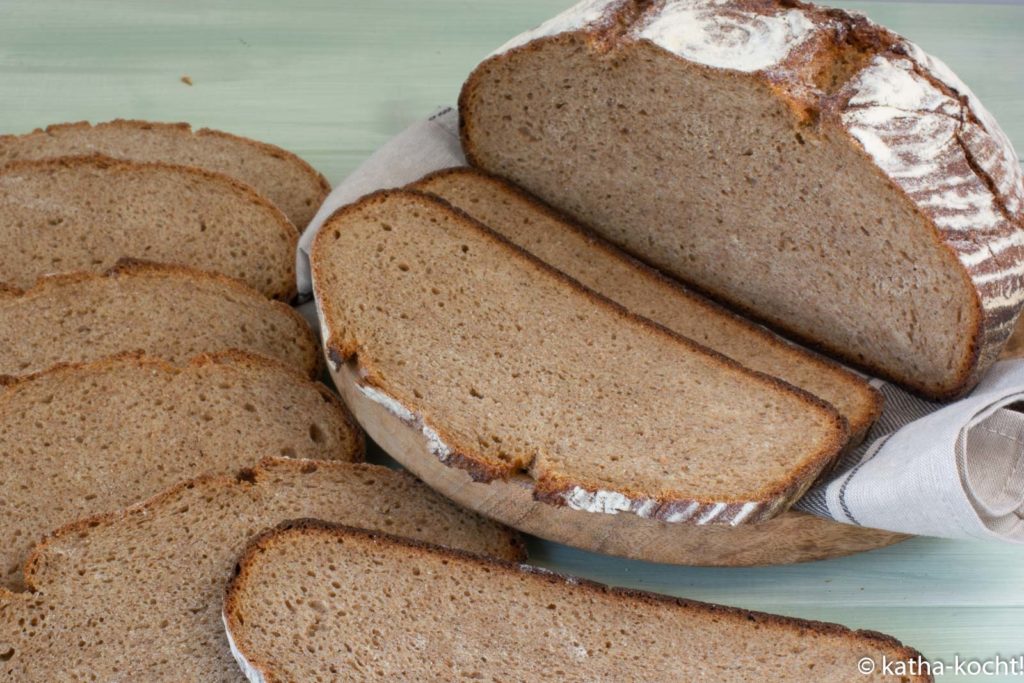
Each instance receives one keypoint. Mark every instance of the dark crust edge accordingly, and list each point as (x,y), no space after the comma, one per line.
(260,544)
(286,287)
(245,475)
(870,398)
(772,499)
(970,371)
(310,346)
(317,178)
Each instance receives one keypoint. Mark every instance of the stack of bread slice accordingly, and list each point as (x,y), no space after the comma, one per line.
(151,362)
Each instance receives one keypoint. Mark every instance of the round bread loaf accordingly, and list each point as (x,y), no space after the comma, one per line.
(802,164)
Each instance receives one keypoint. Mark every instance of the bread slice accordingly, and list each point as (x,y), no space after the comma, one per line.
(595,263)
(83,439)
(289,182)
(315,602)
(86,213)
(169,312)
(511,367)
(137,595)
(802,164)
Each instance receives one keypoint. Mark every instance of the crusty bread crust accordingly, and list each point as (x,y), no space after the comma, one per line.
(340,347)
(314,177)
(870,398)
(147,269)
(990,257)
(285,287)
(235,624)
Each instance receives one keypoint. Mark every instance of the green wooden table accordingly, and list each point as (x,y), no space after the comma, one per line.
(333,79)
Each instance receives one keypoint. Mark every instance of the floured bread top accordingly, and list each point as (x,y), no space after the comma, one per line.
(915,117)
(847,83)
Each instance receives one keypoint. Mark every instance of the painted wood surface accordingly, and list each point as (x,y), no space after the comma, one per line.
(333,79)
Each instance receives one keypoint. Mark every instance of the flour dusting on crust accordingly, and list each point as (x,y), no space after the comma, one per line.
(580,16)
(927,131)
(613,502)
(435,444)
(723,35)
(251,673)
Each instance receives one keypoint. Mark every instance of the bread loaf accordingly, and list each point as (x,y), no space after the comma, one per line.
(595,263)
(84,439)
(280,176)
(137,595)
(168,312)
(802,164)
(506,366)
(86,213)
(316,603)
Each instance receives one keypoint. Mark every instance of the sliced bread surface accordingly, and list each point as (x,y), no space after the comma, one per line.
(83,439)
(512,367)
(137,595)
(164,311)
(280,176)
(597,264)
(409,611)
(86,213)
(806,166)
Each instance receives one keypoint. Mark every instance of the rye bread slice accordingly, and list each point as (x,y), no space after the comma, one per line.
(599,265)
(314,602)
(509,366)
(289,182)
(137,595)
(169,312)
(85,213)
(83,439)
(805,165)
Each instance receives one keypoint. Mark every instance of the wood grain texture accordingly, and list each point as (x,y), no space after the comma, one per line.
(333,80)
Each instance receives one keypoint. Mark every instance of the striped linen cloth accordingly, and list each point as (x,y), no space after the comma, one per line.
(952,470)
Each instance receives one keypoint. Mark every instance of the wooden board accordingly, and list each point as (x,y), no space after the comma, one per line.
(790,537)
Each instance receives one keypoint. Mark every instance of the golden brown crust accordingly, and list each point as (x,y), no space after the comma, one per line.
(261,543)
(871,401)
(286,287)
(770,498)
(139,268)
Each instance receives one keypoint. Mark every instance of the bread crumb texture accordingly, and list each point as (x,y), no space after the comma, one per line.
(137,595)
(508,366)
(803,164)
(318,604)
